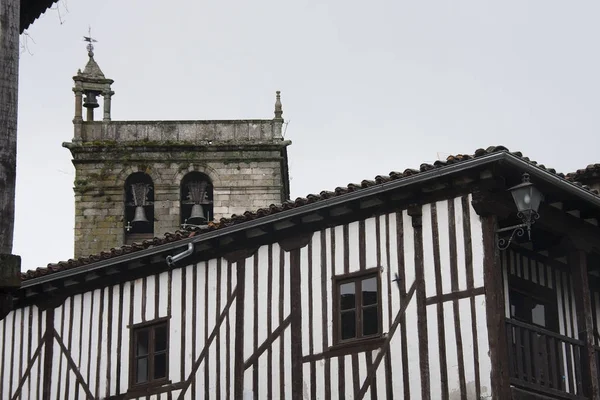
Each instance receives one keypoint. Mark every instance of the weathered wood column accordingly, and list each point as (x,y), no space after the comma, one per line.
(10,265)
(483,203)
(416,215)
(585,324)
(293,246)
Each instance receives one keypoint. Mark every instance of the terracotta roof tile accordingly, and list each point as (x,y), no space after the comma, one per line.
(299,202)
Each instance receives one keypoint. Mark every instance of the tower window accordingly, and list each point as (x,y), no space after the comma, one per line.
(196,199)
(139,205)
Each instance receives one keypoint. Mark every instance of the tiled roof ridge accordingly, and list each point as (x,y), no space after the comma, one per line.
(584,174)
(272,209)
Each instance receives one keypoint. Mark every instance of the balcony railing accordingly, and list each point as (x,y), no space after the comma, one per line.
(544,361)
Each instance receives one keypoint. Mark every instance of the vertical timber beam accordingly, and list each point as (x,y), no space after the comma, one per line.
(293,246)
(578,263)
(238,368)
(416,214)
(48,351)
(483,203)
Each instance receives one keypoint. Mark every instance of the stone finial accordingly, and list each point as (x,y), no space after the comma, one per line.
(278,109)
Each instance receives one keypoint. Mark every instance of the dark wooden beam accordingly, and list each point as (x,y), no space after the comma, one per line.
(494,300)
(578,264)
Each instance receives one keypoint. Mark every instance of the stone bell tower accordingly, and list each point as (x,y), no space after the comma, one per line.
(138,179)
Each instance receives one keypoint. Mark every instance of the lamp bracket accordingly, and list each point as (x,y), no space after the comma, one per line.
(528,219)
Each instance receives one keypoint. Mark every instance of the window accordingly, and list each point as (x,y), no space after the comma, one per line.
(357,306)
(533,304)
(150,353)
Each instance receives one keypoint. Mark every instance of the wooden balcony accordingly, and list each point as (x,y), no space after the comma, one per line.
(545,362)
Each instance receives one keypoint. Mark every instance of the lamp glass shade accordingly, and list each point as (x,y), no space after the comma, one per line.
(527,197)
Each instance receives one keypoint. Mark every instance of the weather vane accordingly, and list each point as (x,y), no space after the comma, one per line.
(90,40)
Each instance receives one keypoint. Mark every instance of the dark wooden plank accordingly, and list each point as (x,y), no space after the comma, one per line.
(386,345)
(463,294)
(585,323)
(512,361)
(282,341)
(544,361)
(296,325)
(527,355)
(30,364)
(468,243)
(218,341)
(109,332)
(311,315)
(269,320)
(209,340)
(417,223)
(554,367)
(255,324)
(455,288)
(535,359)
(441,326)
(520,352)
(402,286)
(494,296)
(239,331)
(101,319)
(72,365)
(228,339)
(48,353)
(267,343)
(183,320)
(346,244)
(325,312)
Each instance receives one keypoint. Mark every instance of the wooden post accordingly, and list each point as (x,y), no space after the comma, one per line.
(485,206)
(585,324)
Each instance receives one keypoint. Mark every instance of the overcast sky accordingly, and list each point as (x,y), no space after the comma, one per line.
(367,87)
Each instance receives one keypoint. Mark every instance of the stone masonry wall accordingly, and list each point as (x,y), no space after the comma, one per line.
(246,174)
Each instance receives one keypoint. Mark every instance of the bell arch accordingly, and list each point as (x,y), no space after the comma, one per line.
(196,199)
(139,207)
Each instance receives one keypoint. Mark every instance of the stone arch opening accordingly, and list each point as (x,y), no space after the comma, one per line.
(196,199)
(139,207)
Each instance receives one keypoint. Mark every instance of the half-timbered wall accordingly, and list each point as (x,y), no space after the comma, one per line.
(262,327)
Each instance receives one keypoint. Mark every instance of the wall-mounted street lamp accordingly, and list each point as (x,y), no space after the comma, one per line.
(527,199)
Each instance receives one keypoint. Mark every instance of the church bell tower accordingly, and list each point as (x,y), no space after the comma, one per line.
(135,180)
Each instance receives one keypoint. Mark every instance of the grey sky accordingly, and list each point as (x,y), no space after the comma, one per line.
(367,87)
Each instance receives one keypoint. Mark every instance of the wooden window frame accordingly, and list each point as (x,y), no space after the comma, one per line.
(539,293)
(151,326)
(356,277)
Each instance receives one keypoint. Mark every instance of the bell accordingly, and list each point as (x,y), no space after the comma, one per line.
(197,214)
(90,100)
(140,215)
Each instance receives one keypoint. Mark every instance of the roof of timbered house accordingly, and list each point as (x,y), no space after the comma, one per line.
(31,10)
(381,180)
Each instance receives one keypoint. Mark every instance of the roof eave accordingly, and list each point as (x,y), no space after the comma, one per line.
(505,157)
